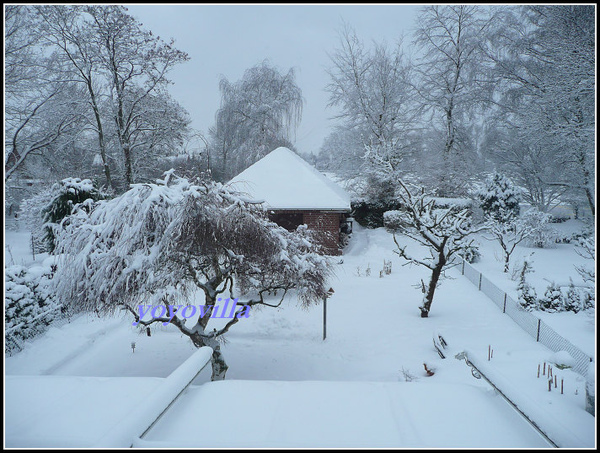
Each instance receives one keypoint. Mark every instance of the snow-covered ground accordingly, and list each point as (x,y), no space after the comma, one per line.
(373,358)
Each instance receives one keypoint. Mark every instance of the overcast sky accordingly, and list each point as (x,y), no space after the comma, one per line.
(228,39)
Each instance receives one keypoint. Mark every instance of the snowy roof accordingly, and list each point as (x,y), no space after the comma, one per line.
(283,180)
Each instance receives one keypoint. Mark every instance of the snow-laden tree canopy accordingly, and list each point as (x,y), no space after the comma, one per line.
(157,243)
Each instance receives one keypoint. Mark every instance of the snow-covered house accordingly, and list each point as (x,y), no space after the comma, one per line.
(296,193)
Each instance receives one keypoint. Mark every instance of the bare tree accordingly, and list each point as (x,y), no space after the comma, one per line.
(448,37)
(514,230)
(445,233)
(160,243)
(136,64)
(372,90)
(40,108)
(586,248)
(64,28)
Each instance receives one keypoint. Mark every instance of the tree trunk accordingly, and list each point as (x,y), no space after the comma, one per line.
(219,367)
(435,277)
(128,170)
(217,361)
(590,198)
(101,142)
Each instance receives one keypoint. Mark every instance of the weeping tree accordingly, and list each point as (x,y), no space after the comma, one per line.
(162,243)
(445,232)
(258,113)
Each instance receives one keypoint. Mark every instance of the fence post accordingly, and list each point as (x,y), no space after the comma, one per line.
(480,275)
(504,309)
(463,267)
(538,330)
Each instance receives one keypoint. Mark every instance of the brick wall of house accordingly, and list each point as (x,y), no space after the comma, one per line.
(327,226)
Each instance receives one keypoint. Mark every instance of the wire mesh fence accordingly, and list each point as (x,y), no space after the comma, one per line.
(471,273)
(530,323)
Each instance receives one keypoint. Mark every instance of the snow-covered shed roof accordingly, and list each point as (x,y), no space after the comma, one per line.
(283,180)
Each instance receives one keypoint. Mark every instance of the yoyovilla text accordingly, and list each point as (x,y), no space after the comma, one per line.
(188,311)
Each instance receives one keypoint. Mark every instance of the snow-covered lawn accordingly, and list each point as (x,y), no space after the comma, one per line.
(376,343)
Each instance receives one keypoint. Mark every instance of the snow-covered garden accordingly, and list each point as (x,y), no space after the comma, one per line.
(376,353)
(422,277)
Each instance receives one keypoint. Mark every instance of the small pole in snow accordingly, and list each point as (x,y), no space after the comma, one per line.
(133,346)
(492,356)
(550,385)
(324,317)
(489,352)
(561,386)
(555,381)
(544,373)
(538,370)
(329,294)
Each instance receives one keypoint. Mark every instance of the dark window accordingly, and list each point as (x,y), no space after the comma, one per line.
(288,221)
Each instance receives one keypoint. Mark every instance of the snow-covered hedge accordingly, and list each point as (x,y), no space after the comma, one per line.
(369,213)
(392,220)
(30,305)
(557,299)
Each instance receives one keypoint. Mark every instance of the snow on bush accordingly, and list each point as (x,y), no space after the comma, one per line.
(552,300)
(526,294)
(541,234)
(63,197)
(30,304)
(392,220)
(499,198)
(470,254)
(555,298)
(577,299)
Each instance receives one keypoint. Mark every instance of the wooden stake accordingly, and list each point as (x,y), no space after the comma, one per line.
(544,373)
(538,370)
(561,386)
(489,352)
(549,385)
(492,353)
(555,381)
